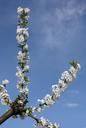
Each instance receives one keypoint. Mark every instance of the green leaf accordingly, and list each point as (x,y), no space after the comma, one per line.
(73,63)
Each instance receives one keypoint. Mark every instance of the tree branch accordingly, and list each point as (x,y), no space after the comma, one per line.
(6,115)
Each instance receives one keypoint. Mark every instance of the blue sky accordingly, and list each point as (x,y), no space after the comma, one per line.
(57,35)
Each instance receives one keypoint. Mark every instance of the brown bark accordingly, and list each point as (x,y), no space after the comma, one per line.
(12,112)
(6,115)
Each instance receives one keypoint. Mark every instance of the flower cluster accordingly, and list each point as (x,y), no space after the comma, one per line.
(40,122)
(45,123)
(66,78)
(23,54)
(5,99)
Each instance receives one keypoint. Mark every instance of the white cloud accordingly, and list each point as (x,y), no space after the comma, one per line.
(71,10)
(72,105)
(73,92)
(60,25)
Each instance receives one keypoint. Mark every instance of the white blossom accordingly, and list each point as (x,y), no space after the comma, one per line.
(26,68)
(22,31)
(55,89)
(25,47)
(20,75)
(5,82)
(4,96)
(39,109)
(27,112)
(27,10)
(78,66)
(62,85)
(20,39)
(66,76)
(24,90)
(48,100)
(19,10)
(55,92)
(45,123)
(22,57)
(33,109)
(73,71)
(41,101)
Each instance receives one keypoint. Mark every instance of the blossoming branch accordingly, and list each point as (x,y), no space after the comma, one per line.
(18,107)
